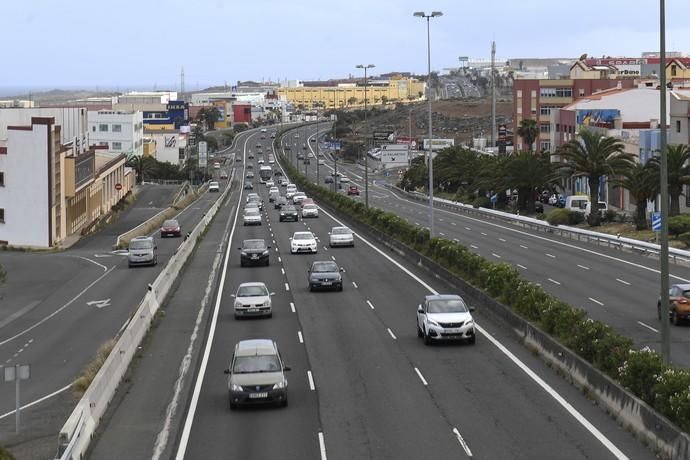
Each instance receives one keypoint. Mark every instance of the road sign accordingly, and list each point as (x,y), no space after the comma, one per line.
(394,153)
(382,135)
(656,221)
(118,186)
(203,154)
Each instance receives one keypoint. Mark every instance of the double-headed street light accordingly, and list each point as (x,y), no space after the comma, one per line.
(366,142)
(434,14)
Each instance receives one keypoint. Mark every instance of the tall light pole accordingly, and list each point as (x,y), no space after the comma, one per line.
(434,14)
(663,249)
(366,139)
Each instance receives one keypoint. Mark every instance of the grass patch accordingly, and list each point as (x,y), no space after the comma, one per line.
(5,454)
(80,385)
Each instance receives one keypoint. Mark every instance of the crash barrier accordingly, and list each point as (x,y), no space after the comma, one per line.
(677,256)
(77,432)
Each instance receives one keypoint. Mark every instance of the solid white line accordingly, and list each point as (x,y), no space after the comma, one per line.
(421,377)
(596,301)
(282,270)
(391,334)
(647,326)
(354,284)
(550,255)
(37,401)
(276,248)
(623,281)
(502,239)
(554,281)
(370,304)
(484,234)
(583,267)
(523,246)
(93,262)
(322,446)
(312,387)
(292,307)
(462,442)
(299,335)
(522,266)
(468,228)
(287,287)
(495,255)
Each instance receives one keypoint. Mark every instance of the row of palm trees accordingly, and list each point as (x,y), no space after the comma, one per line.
(592,156)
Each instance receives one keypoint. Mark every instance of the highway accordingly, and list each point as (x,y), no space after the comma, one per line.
(618,288)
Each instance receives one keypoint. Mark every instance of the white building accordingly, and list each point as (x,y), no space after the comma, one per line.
(72,121)
(147,97)
(171,145)
(679,129)
(122,132)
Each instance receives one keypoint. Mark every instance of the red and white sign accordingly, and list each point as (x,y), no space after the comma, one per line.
(118,186)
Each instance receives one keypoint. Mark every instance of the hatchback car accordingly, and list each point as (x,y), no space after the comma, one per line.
(253,299)
(171,227)
(250,175)
(325,274)
(303,242)
(288,212)
(310,210)
(273,193)
(252,216)
(341,236)
(223,175)
(213,186)
(279,202)
(248,186)
(678,303)
(353,190)
(270,184)
(254,252)
(298,197)
(142,251)
(445,317)
(328,180)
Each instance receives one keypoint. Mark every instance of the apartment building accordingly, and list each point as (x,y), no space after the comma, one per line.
(120,132)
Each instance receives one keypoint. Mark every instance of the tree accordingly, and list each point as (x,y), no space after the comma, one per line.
(677,157)
(528,132)
(593,155)
(209,116)
(142,165)
(642,181)
(528,172)
(351,100)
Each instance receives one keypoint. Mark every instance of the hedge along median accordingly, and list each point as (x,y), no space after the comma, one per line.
(665,388)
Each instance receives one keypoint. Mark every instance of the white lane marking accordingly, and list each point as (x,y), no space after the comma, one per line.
(440,220)
(355,285)
(502,240)
(583,267)
(623,281)
(474,246)
(82,292)
(550,255)
(391,334)
(484,234)
(333,257)
(421,377)
(456,240)
(37,401)
(522,266)
(276,248)
(453,223)
(416,223)
(279,259)
(93,262)
(596,301)
(468,228)
(312,387)
(325,248)
(274,241)
(287,287)
(647,326)
(282,270)
(523,246)
(442,234)
(322,446)
(554,281)
(462,442)
(292,307)
(530,373)
(299,335)
(495,255)
(370,304)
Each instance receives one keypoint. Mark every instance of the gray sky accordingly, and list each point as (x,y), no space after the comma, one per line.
(127,43)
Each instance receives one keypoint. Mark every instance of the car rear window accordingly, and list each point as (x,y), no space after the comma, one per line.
(321,267)
(254,244)
(251,212)
(144,244)
(341,231)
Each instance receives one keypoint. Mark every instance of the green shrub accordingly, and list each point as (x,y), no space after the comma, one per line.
(610,216)
(639,373)
(5,454)
(685,238)
(671,383)
(482,202)
(558,216)
(678,224)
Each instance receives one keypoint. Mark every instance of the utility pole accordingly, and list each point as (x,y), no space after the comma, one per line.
(182,83)
(493,94)
(663,250)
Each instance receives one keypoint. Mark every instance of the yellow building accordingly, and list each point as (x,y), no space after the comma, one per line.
(677,70)
(352,95)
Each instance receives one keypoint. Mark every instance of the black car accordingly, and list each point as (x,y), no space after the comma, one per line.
(328,180)
(289,212)
(325,274)
(254,252)
(280,202)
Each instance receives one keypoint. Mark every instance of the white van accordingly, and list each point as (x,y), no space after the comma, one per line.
(577,203)
(603,207)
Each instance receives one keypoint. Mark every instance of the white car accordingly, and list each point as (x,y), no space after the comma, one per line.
(270,184)
(445,317)
(321,162)
(273,193)
(341,236)
(260,161)
(253,299)
(298,197)
(213,186)
(290,190)
(303,242)
(344,179)
(252,216)
(310,210)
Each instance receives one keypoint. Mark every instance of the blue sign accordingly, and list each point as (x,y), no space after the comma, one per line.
(494,198)
(333,145)
(656,221)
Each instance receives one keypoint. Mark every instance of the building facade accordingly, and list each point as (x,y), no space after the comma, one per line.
(73,121)
(121,132)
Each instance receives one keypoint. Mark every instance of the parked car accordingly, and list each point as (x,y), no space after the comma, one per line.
(288,212)
(142,250)
(325,274)
(352,190)
(171,227)
(213,186)
(279,202)
(310,210)
(341,236)
(252,216)
(253,299)
(445,317)
(303,242)
(254,251)
(678,304)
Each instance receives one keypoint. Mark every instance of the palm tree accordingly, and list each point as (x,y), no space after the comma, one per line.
(594,156)
(528,172)
(642,181)
(677,157)
(528,132)
(143,165)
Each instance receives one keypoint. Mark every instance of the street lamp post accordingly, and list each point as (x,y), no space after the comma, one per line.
(663,247)
(434,14)
(366,139)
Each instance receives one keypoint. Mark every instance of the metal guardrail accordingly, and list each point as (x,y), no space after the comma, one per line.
(677,256)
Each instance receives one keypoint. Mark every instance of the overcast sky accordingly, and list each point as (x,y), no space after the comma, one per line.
(143,43)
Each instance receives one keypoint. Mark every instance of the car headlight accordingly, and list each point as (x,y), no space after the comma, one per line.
(265,253)
(432,322)
(280,385)
(267,303)
(238,304)
(243,253)
(470,323)
(235,387)
(282,213)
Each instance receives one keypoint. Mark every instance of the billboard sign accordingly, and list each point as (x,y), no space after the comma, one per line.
(383,135)
(406,140)
(394,153)
(439,143)
(602,118)
(203,154)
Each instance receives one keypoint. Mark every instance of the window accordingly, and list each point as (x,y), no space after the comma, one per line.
(519,93)
(674,70)
(103,128)
(556,92)
(544,146)
(2,215)
(582,92)
(117,128)
(534,93)
(2,179)
(93,128)
(677,126)
(544,128)
(117,146)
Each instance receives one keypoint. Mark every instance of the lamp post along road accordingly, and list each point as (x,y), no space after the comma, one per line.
(366,131)
(434,14)
(663,249)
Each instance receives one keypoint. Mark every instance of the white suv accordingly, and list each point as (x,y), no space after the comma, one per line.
(445,317)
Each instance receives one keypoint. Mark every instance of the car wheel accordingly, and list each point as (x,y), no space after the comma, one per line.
(427,339)
(284,403)
(674,318)
(129,265)
(270,315)
(268,262)
(233,406)
(473,340)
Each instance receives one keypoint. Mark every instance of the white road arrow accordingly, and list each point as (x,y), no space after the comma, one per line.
(99,303)
(99,256)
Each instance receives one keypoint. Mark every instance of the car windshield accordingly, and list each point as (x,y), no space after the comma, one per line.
(303,236)
(251,212)
(254,244)
(252,291)
(289,208)
(140,244)
(447,306)
(310,206)
(324,267)
(170,223)
(341,231)
(252,364)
